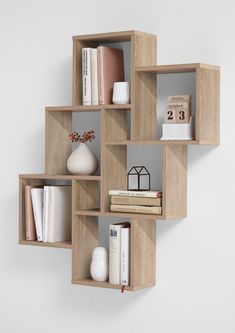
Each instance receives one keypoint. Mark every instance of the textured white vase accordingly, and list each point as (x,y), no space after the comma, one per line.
(82,161)
(121,92)
(99,264)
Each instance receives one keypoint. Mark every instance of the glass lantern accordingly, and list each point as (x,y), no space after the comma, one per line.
(138,179)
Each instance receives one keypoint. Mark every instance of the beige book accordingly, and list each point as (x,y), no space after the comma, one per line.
(122,200)
(136,209)
(29,215)
(110,70)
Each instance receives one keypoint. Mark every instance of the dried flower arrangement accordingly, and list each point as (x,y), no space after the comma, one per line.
(86,136)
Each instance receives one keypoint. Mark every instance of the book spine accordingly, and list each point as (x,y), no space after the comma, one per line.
(114,254)
(179,98)
(29,217)
(37,200)
(125,250)
(136,209)
(45,213)
(122,200)
(94,78)
(86,76)
(51,214)
(141,194)
(100,70)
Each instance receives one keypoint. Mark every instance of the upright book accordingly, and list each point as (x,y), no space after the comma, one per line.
(29,216)
(94,78)
(86,76)
(37,200)
(59,214)
(110,70)
(125,255)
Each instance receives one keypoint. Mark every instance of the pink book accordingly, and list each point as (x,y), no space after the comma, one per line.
(110,70)
(29,216)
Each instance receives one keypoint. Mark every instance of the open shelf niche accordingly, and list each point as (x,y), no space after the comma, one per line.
(122,126)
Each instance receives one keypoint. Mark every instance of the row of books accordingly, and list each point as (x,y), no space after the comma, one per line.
(48,213)
(142,202)
(101,67)
(119,252)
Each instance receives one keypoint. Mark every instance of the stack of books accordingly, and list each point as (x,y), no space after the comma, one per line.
(48,213)
(142,202)
(101,67)
(119,251)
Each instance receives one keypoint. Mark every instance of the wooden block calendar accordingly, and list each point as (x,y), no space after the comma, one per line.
(178,109)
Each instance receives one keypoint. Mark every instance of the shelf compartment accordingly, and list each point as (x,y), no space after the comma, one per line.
(37,180)
(86,195)
(142,252)
(57,145)
(206,93)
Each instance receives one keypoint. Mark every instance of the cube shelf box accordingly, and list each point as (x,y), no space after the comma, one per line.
(90,198)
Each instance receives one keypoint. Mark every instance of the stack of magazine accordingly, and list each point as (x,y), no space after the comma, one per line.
(142,202)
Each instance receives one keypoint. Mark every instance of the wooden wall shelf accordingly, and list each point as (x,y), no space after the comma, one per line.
(90,199)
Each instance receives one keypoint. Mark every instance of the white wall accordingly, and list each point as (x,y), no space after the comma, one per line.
(196,256)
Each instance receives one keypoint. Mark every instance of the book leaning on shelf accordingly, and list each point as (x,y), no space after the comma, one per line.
(51,213)
(119,252)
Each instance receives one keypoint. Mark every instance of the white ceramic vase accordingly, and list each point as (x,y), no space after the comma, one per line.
(82,161)
(99,267)
(121,92)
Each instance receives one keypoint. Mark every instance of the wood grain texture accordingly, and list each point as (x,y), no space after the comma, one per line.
(85,239)
(142,253)
(57,145)
(59,245)
(59,177)
(96,212)
(143,88)
(208,105)
(88,195)
(115,36)
(174,181)
(174,68)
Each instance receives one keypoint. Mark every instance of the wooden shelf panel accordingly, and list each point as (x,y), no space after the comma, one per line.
(88,108)
(152,142)
(175,68)
(96,212)
(91,283)
(119,36)
(61,245)
(59,177)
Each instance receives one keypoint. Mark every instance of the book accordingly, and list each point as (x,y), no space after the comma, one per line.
(29,216)
(136,209)
(141,194)
(124,200)
(59,214)
(114,253)
(110,70)
(37,201)
(86,76)
(94,77)
(125,253)
(45,213)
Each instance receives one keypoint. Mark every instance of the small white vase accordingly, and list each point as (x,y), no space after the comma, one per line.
(99,267)
(121,92)
(82,161)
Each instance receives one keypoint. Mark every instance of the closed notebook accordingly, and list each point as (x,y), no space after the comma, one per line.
(110,70)
(59,214)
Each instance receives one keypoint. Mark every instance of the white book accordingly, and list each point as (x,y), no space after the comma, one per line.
(125,253)
(114,253)
(141,194)
(59,214)
(37,201)
(45,213)
(86,75)
(94,78)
